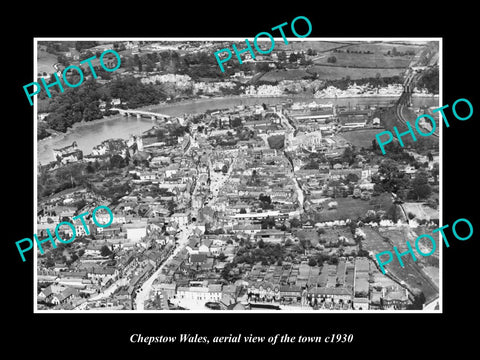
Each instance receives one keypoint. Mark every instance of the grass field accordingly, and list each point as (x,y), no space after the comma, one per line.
(361,138)
(420,211)
(365,60)
(383,47)
(433,273)
(350,208)
(45,62)
(291,74)
(337,72)
(319,46)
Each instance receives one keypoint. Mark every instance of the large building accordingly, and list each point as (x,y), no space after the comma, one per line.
(306,140)
(68,154)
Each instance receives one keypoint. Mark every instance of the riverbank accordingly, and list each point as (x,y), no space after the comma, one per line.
(89,134)
(166,106)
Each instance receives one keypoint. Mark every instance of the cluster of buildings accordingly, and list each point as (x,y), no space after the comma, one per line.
(220,173)
(355,90)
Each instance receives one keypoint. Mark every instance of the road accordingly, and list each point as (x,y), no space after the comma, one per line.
(217,181)
(182,241)
(300,196)
(110,290)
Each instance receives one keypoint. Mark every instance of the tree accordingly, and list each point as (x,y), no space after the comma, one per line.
(149,65)
(420,187)
(105,251)
(353,178)
(236,122)
(282,55)
(312,262)
(419,300)
(276,142)
(268,222)
(137,61)
(265,198)
(80,45)
(224,168)
(90,169)
(171,206)
(116,161)
(86,55)
(261,67)
(389,178)
(332,59)
(312,165)
(295,223)
(435,171)
(334,260)
(261,244)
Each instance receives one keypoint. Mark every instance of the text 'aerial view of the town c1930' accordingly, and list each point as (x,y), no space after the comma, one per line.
(261,188)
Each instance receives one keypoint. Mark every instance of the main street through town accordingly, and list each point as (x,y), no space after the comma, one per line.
(146,288)
(217,179)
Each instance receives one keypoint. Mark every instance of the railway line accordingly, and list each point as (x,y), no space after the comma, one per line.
(405,99)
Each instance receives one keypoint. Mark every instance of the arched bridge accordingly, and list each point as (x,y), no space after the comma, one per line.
(140,113)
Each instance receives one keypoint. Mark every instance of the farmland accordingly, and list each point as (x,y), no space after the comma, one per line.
(356,60)
(327,72)
(318,46)
(384,47)
(365,60)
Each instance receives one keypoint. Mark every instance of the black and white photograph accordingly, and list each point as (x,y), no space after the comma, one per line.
(259,188)
(248,182)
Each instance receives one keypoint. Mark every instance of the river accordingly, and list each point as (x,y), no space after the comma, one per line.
(88,135)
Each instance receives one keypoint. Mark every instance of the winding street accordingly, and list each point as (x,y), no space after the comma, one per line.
(217,181)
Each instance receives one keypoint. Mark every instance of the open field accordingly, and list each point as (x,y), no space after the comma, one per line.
(318,46)
(433,273)
(365,60)
(361,138)
(383,47)
(291,74)
(350,208)
(326,72)
(45,62)
(420,210)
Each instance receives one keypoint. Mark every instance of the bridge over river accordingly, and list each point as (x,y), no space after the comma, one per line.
(141,113)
